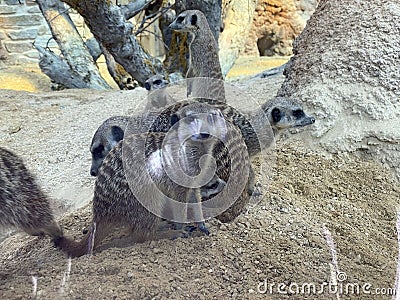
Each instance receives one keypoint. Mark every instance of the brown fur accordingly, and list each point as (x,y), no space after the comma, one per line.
(22,202)
(281,113)
(203,56)
(115,205)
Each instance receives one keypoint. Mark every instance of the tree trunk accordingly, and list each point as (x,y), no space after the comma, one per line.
(83,71)
(109,26)
(237,24)
(117,72)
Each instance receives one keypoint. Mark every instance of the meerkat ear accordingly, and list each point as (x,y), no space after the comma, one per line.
(276,115)
(147,86)
(117,133)
(174,119)
(193,20)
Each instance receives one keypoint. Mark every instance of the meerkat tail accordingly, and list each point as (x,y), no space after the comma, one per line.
(87,244)
(52,229)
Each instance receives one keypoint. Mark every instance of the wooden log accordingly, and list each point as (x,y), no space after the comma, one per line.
(109,26)
(75,53)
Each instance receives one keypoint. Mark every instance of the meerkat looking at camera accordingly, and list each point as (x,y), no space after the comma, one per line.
(121,179)
(199,129)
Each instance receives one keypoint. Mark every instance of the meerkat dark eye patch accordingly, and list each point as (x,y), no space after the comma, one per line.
(157,82)
(98,151)
(276,114)
(299,113)
(147,86)
(180,19)
(174,119)
(193,20)
(117,133)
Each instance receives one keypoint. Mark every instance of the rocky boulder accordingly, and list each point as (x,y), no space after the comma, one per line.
(346,69)
(276,24)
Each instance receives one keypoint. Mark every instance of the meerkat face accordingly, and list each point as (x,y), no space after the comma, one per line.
(283,114)
(101,148)
(199,122)
(187,21)
(155,82)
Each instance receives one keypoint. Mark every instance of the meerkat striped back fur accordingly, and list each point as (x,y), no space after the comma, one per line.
(115,204)
(22,202)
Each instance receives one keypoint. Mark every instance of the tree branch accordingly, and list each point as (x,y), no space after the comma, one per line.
(133,8)
(58,70)
(109,26)
(74,51)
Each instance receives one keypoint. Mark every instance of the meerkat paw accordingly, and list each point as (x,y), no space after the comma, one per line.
(190,228)
(202,227)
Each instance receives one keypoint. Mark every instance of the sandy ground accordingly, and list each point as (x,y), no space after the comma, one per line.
(282,241)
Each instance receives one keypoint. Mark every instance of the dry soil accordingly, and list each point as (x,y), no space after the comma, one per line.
(283,241)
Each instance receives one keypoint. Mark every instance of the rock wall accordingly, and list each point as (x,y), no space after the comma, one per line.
(276,24)
(21,23)
(346,69)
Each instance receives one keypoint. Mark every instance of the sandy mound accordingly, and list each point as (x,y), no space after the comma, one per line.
(346,68)
(280,240)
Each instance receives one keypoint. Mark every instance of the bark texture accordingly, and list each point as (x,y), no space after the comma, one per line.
(109,26)
(76,57)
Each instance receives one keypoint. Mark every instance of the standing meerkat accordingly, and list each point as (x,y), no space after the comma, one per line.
(114,203)
(198,138)
(22,203)
(203,56)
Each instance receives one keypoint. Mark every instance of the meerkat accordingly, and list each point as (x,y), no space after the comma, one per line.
(157,96)
(22,202)
(114,202)
(155,82)
(199,137)
(203,56)
(281,113)
(110,132)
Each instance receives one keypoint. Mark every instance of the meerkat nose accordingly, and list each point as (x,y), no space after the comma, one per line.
(204,135)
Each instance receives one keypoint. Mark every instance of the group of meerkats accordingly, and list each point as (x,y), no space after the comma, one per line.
(205,127)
